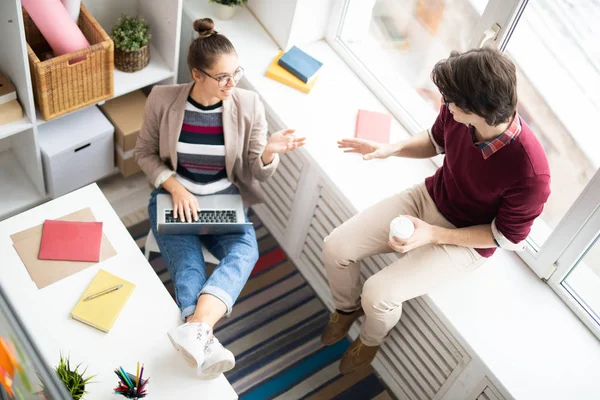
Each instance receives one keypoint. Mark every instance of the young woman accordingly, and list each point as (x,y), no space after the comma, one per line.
(207,137)
(493,183)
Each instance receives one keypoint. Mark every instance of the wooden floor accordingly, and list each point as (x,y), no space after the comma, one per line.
(128,196)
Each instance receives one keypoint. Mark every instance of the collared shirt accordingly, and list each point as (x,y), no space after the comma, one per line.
(507,190)
(490,147)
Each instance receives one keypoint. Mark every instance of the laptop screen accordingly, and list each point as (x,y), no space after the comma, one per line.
(24,375)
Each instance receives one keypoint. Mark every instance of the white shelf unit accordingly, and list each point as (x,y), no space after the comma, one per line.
(21,175)
(15,127)
(21,179)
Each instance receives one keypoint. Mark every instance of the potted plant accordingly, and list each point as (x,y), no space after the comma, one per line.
(74,379)
(225,9)
(130,36)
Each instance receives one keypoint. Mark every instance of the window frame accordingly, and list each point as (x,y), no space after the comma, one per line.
(576,231)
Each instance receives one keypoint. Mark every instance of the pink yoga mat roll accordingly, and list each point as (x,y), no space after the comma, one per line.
(56,25)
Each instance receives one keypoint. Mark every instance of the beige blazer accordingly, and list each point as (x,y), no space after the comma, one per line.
(245,132)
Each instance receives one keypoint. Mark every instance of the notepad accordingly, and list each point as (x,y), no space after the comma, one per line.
(102,312)
(375,126)
(71,241)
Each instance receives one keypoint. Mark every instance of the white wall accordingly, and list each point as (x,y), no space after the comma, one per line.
(276,16)
(293,22)
(310,22)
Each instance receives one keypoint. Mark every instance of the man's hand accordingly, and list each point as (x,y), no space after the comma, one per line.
(367,148)
(424,234)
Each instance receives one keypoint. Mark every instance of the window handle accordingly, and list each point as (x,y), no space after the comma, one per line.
(489,34)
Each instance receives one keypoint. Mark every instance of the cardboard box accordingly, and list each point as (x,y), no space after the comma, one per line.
(7,90)
(126,162)
(10,112)
(126,113)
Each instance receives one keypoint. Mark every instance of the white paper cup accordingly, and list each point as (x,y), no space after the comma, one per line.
(402,228)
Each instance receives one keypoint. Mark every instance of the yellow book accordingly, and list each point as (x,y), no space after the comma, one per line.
(102,311)
(277,72)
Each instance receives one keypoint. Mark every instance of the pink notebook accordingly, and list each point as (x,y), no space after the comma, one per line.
(71,241)
(375,126)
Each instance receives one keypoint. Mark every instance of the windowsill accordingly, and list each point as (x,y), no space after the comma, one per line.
(519,328)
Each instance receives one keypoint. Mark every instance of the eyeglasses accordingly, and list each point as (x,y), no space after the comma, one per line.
(223,81)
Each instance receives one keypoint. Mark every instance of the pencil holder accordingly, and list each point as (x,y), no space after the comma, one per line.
(131,386)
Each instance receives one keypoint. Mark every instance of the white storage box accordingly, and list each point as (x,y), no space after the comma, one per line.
(77,149)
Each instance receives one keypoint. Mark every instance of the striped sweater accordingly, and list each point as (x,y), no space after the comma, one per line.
(201,150)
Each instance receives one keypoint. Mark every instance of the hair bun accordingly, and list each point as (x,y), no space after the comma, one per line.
(204,27)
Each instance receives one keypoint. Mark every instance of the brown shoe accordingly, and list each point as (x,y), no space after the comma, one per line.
(357,356)
(338,326)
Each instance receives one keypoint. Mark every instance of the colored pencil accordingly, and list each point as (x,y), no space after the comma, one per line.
(126,377)
(137,375)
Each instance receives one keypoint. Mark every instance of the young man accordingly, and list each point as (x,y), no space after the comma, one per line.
(493,183)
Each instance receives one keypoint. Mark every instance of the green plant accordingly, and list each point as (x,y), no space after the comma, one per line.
(74,380)
(130,33)
(230,3)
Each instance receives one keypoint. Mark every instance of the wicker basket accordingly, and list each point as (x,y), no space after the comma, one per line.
(131,61)
(71,81)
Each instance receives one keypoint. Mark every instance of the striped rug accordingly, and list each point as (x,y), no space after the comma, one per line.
(274,333)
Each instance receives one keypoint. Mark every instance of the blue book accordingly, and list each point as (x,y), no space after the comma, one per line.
(300,64)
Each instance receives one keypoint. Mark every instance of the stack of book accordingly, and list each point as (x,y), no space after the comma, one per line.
(295,68)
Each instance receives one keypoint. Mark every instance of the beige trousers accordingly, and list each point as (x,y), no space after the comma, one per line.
(413,274)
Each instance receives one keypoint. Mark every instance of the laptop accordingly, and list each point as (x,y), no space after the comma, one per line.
(217,214)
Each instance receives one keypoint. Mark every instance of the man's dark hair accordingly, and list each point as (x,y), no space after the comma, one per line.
(479,81)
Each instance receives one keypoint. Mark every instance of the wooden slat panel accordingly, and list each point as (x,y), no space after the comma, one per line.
(318,226)
(296,159)
(428,368)
(403,376)
(329,219)
(335,205)
(287,178)
(440,331)
(278,217)
(316,236)
(403,355)
(490,393)
(483,396)
(290,166)
(431,359)
(273,187)
(432,334)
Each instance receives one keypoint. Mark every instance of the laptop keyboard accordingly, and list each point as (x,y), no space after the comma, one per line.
(206,217)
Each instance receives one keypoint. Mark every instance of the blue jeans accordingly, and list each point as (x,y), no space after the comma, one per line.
(237,252)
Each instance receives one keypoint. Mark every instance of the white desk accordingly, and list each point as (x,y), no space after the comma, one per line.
(138,335)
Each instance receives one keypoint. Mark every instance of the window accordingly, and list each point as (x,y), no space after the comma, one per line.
(394,44)
(558,71)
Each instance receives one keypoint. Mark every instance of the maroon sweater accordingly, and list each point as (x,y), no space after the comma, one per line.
(512,185)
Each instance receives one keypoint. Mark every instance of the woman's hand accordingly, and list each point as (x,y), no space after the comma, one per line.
(279,143)
(367,148)
(283,141)
(423,234)
(185,204)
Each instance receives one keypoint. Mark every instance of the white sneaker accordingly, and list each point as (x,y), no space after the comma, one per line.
(217,359)
(190,340)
